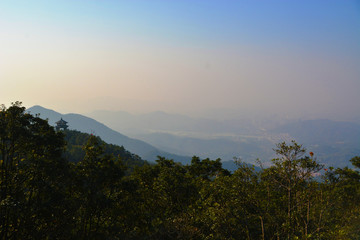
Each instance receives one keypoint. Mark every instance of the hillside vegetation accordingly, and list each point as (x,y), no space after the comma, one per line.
(75,152)
(44,195)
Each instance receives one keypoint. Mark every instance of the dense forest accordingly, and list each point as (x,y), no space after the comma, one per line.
(74,150)
(70,185)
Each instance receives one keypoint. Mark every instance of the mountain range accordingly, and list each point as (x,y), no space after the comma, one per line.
(88,125)
(333,142)
(178,137)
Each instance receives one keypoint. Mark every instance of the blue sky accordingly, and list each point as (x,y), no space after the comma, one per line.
(297,58)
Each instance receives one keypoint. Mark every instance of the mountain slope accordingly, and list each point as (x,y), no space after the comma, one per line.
(88,125)
(77,140)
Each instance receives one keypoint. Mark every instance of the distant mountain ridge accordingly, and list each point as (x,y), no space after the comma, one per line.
(322,130)
(161,121)
(89,125)
(334,142)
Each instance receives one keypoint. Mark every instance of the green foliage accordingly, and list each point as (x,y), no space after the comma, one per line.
(75,152)
(97,178)
(291,178)
(33,177)
(71,185)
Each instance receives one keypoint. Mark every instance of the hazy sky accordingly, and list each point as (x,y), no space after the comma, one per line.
(296,58)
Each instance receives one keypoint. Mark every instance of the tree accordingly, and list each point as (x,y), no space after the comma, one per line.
(32,176)
(228,207)
(98,177)
(290,181)
(343,190)
(206,168)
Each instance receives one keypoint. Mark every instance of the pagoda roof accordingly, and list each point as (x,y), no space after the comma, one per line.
(61,121)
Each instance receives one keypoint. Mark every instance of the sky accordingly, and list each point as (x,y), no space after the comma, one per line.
(293,58)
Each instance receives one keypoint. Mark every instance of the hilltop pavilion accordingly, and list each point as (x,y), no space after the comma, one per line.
(61,124)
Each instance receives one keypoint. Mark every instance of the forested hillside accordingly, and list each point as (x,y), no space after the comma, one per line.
(75,152)
(88,125)
(44,195)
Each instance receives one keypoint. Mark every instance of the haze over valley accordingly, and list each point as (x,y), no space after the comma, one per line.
(180,137)
(206,78)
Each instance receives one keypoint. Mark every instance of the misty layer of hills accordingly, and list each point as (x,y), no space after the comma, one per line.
(179,137)
(333,142)
(87,125)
